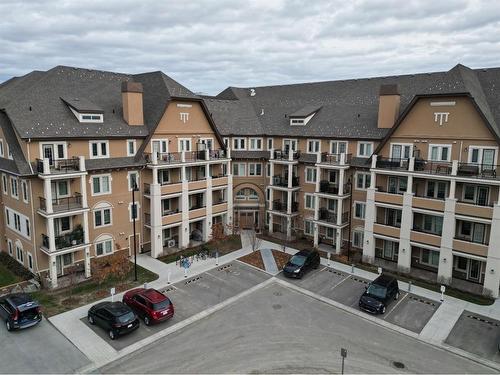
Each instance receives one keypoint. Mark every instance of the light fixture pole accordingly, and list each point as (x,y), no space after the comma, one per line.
(134,217)
(349,184)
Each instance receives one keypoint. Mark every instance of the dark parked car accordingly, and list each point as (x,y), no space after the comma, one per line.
(151,305)
(379,294)
(19,311)
(115,317)
(301,262)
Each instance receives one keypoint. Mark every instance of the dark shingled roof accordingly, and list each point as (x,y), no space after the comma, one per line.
(305,111)
(19,164)
(34,105)
(250,154)
(82,105)
(112,163)
(349,108)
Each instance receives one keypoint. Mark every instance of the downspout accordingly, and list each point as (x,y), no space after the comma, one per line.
(460,154)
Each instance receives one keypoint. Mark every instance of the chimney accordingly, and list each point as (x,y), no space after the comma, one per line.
(388,106)
(132,103)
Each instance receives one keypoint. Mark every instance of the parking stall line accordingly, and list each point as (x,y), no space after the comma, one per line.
(340,282)
(216,277)
(396,305)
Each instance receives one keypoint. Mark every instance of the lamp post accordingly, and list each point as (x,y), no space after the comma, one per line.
(134,217)
(349,185)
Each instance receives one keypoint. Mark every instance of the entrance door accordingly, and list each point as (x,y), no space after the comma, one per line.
(474,269)
(246,220)
(48,153)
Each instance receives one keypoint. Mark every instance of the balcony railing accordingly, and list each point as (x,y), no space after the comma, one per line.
(217,154)
(486,171)
(285,154)
(388,224)
(64,241)
(331,188)
(218,201)
(63,204)
(331,216)
(423,195)
(433,167)
(147,218)
(421,229)
(170,212)
(471,239)
(334,159)
(282,207)
(392,163)
(60,165)
(196,206)
(191,156)
(283,182)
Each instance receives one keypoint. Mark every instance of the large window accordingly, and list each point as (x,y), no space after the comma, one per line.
(239,169)
(363,180)
(239,144)
(185,144)
(255,144)
(359,210)
(338,147)
(429,257)
(308,227)
(440,152)
(310,175)
(365,149)
(476,194)
(397,185)
(254,169)
(104,247)
(101,185)
(401,150)
(102,216)
(436,189)
(99,149)
(357,238)
(159,146)
(309,201)
(313,146)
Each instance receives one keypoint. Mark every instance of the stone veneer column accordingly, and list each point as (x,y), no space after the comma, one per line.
(445,267)
(229,195)
(207,228)
(369,239)
(184,228)
(404,255)
(156,220)
(492,272)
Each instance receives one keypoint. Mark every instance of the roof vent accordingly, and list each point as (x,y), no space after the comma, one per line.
(262,112)
(252,92)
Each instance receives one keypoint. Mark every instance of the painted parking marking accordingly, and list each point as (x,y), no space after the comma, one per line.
(417,298)
(340,282)
(193,280)
(224,267)
(394,307)
(483,320)
(216,277)
(169,289)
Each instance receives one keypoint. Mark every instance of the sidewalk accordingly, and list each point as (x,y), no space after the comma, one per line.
(100,353)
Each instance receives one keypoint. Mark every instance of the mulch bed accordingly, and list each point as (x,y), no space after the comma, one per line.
(281,258)
(255,259)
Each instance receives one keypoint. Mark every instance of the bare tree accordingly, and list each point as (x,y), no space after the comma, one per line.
(255,241)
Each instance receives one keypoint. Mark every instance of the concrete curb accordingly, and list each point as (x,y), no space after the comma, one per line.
(392,327)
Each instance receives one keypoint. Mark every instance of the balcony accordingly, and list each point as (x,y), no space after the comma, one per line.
(282,207)
(65,241)
(420,236)
(382,197)
(335,159)
(331,217)
(217,154)
(442,168)
(63,204)
(59,166)
(386,230)
(281,181)
(483,171)
(474,210)
(428,203)
(392,163)
(327,187)
(180,157)
(285,155)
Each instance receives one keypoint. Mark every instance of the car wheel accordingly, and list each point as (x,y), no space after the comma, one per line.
(146,320)
(90,319)
(396,296)
(383,310)
(112,334)
(8,326)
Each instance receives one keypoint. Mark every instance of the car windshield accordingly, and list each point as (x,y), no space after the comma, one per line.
(161,305)
(298,260)
(376,291)
(125,317)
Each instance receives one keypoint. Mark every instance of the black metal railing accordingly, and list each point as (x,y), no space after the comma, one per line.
(60,165)
(486,171)
(471,239)
(217,154)
(433,167)
(191,156)
(331,188)
(285,154)
(392,163)
(283,182)
(64,241)
(283,207)
(170,212)
(334,159)
(328,216)
(63,204)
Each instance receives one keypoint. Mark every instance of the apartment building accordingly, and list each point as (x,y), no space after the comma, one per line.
(85,153)
(402,169)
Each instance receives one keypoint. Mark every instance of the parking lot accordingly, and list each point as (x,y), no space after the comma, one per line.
(476,334)
(409,311)
(192,296)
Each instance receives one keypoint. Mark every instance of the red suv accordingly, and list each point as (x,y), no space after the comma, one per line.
(150,304)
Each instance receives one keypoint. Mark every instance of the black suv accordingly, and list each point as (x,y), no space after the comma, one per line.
(379,294)
(19,311)
(301,262)
(115,317)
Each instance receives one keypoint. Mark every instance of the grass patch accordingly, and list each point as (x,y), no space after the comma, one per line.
(7,277)
(57,301)
(228,245)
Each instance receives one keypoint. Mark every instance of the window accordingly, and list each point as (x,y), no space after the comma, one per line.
(102,217)
(19,254)
(359,210)
(308,227)
(365,149)
(255,144)
(5,184)
(101,185)
(270,143)
(254,169)
(165,207)
(99,149)
(9,152)
(185,144)
(436,189)
(390,250)
(363,180)
(88,117)
(338,147)
(27,224)
(24,190)
(239,144)
(133,180)
(1,148)
(429,257)
(476,194)
(268,170)
(461,263)
(313,146)
(14,192)
(440,152)
(164,176)
(131,147)
(239,169)
(62,224)
(357,238)
(310,175)
(290,144)
(309,201)
(397,185)
(401,150)
(167,235)
(482,155)
(297,121)
(9,245)
(133,211)
(208,143)
(332,176)
(30,261)
(331,205)
(160,146)
(226,142)
(393,217)
(104,247)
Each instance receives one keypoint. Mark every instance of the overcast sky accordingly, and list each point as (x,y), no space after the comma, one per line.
(209,45)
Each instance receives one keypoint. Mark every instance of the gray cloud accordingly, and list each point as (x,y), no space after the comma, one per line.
(209,45)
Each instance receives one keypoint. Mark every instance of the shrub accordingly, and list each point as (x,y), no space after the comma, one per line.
(14,266)
(114,265)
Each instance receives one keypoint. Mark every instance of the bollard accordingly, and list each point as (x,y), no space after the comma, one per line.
(168,277)
(185,272)
(328,255)
(145,285)
(409,286)
(379,270)
(352,268)
(443,289)
(217,258)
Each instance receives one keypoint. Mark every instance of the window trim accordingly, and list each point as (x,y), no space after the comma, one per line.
(110,179)
(100,155)
(402,146)
(311,141)
(364,180)
(291,140)
(255,170)
(313,200)
(359,232)
(244,169)
(133,141)
(180,141)
(101,207)
(359,149)
(440,148)
(15,196)
(24,191)
(163,141)
(337,142)
(238,140)
(270,139)
(136,179)
(311,223)
(481,148)
(307,181)
(354,210)
(5,184)
(250,148)
(105,238)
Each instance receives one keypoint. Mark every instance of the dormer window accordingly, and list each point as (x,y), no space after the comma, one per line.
(297,121)
(84,110)
(303,115)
